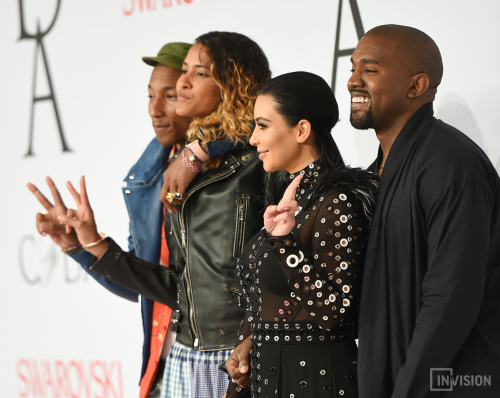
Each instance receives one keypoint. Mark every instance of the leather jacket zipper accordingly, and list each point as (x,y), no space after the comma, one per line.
(183,237)
(205,183)
(240,224)
(184,234)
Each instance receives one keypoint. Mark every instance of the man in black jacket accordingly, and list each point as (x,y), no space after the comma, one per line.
(430,305)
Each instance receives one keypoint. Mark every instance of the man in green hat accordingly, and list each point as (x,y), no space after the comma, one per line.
(141,191)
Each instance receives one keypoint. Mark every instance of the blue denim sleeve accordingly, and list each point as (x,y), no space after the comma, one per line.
(220,147)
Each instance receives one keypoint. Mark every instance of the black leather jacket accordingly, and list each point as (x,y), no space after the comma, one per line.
(222,210)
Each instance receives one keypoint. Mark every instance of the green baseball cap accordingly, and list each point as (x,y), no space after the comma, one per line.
(171,54)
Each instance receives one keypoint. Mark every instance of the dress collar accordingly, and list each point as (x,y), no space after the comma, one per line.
(311,173)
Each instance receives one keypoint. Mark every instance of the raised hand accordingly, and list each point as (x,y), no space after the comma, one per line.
(82,220)
(280,219)
(48,223)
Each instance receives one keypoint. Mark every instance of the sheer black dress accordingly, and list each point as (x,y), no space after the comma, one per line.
(302,289)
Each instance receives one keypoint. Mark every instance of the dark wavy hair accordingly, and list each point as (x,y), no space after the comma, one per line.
(297,96)
(304,95)
(239,68)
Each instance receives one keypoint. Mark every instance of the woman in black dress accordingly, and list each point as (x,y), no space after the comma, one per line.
(301,272)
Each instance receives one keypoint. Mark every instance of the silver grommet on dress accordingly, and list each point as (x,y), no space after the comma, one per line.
(289,260)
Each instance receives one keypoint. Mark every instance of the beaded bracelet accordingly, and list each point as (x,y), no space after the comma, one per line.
(189,162)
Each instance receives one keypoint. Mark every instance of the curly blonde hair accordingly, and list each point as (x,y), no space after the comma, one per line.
(239,68)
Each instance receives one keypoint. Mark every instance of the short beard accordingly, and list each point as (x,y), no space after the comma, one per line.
(363,122)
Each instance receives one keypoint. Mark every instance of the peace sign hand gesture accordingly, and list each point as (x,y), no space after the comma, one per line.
(82,220)
(48,224)
(280,219)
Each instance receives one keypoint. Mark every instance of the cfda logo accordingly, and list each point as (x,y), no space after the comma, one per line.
(38,38)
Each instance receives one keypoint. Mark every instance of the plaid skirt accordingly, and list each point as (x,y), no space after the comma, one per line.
(194,374)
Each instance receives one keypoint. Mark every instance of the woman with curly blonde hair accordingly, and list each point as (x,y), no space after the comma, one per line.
(236,69)
(217,214)
(238,81)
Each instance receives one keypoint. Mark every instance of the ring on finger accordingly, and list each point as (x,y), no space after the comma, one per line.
(170,197)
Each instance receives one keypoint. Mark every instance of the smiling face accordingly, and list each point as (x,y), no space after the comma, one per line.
(170,128)
(197,93)
(279,145)
(379,85)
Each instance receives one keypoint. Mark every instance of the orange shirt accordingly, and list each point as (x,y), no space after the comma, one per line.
(159,328)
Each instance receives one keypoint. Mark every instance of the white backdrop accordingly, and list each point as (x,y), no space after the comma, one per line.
(62,334)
